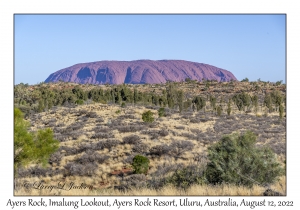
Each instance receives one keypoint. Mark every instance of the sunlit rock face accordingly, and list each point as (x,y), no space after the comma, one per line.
(139,72)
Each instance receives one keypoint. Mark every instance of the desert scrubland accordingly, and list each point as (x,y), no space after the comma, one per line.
(100,129)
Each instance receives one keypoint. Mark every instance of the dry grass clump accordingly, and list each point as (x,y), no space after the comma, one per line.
(140,148)
(132,139)
(168,190)
(91,157)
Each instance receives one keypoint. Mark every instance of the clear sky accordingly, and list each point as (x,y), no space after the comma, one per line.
(252,46)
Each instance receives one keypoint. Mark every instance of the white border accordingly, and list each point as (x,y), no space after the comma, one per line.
(8,8)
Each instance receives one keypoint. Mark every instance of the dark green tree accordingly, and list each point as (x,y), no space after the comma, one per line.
(163,101)
(199,102)
(126,94)
(277,98)
(118,97)
(171,94)
(148,116)
(140,164)
(79,93)
(242,100)
(245,80)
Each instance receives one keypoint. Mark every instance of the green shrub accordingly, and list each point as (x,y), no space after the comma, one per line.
(118,111)
(148,116)
(236,160)
(140,164)
(79,102)
(123,105)
(161,112)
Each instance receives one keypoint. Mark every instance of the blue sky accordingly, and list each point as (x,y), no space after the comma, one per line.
(252,46)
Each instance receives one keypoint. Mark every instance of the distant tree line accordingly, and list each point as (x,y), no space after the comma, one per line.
(43,97)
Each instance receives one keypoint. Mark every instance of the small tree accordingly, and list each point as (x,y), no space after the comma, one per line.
(213,101)
(161,112)
(268,102)
(140,164)
(245,80)
(281,111)
(254,100)
(199,102)
(278,83)
(235,159)
(31,147)
(277,98)
(228,107)
(242,100)
(148,116)
(179,96)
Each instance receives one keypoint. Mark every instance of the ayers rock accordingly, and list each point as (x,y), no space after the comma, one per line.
(139,72)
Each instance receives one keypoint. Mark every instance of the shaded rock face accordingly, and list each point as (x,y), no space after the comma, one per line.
(139,72)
